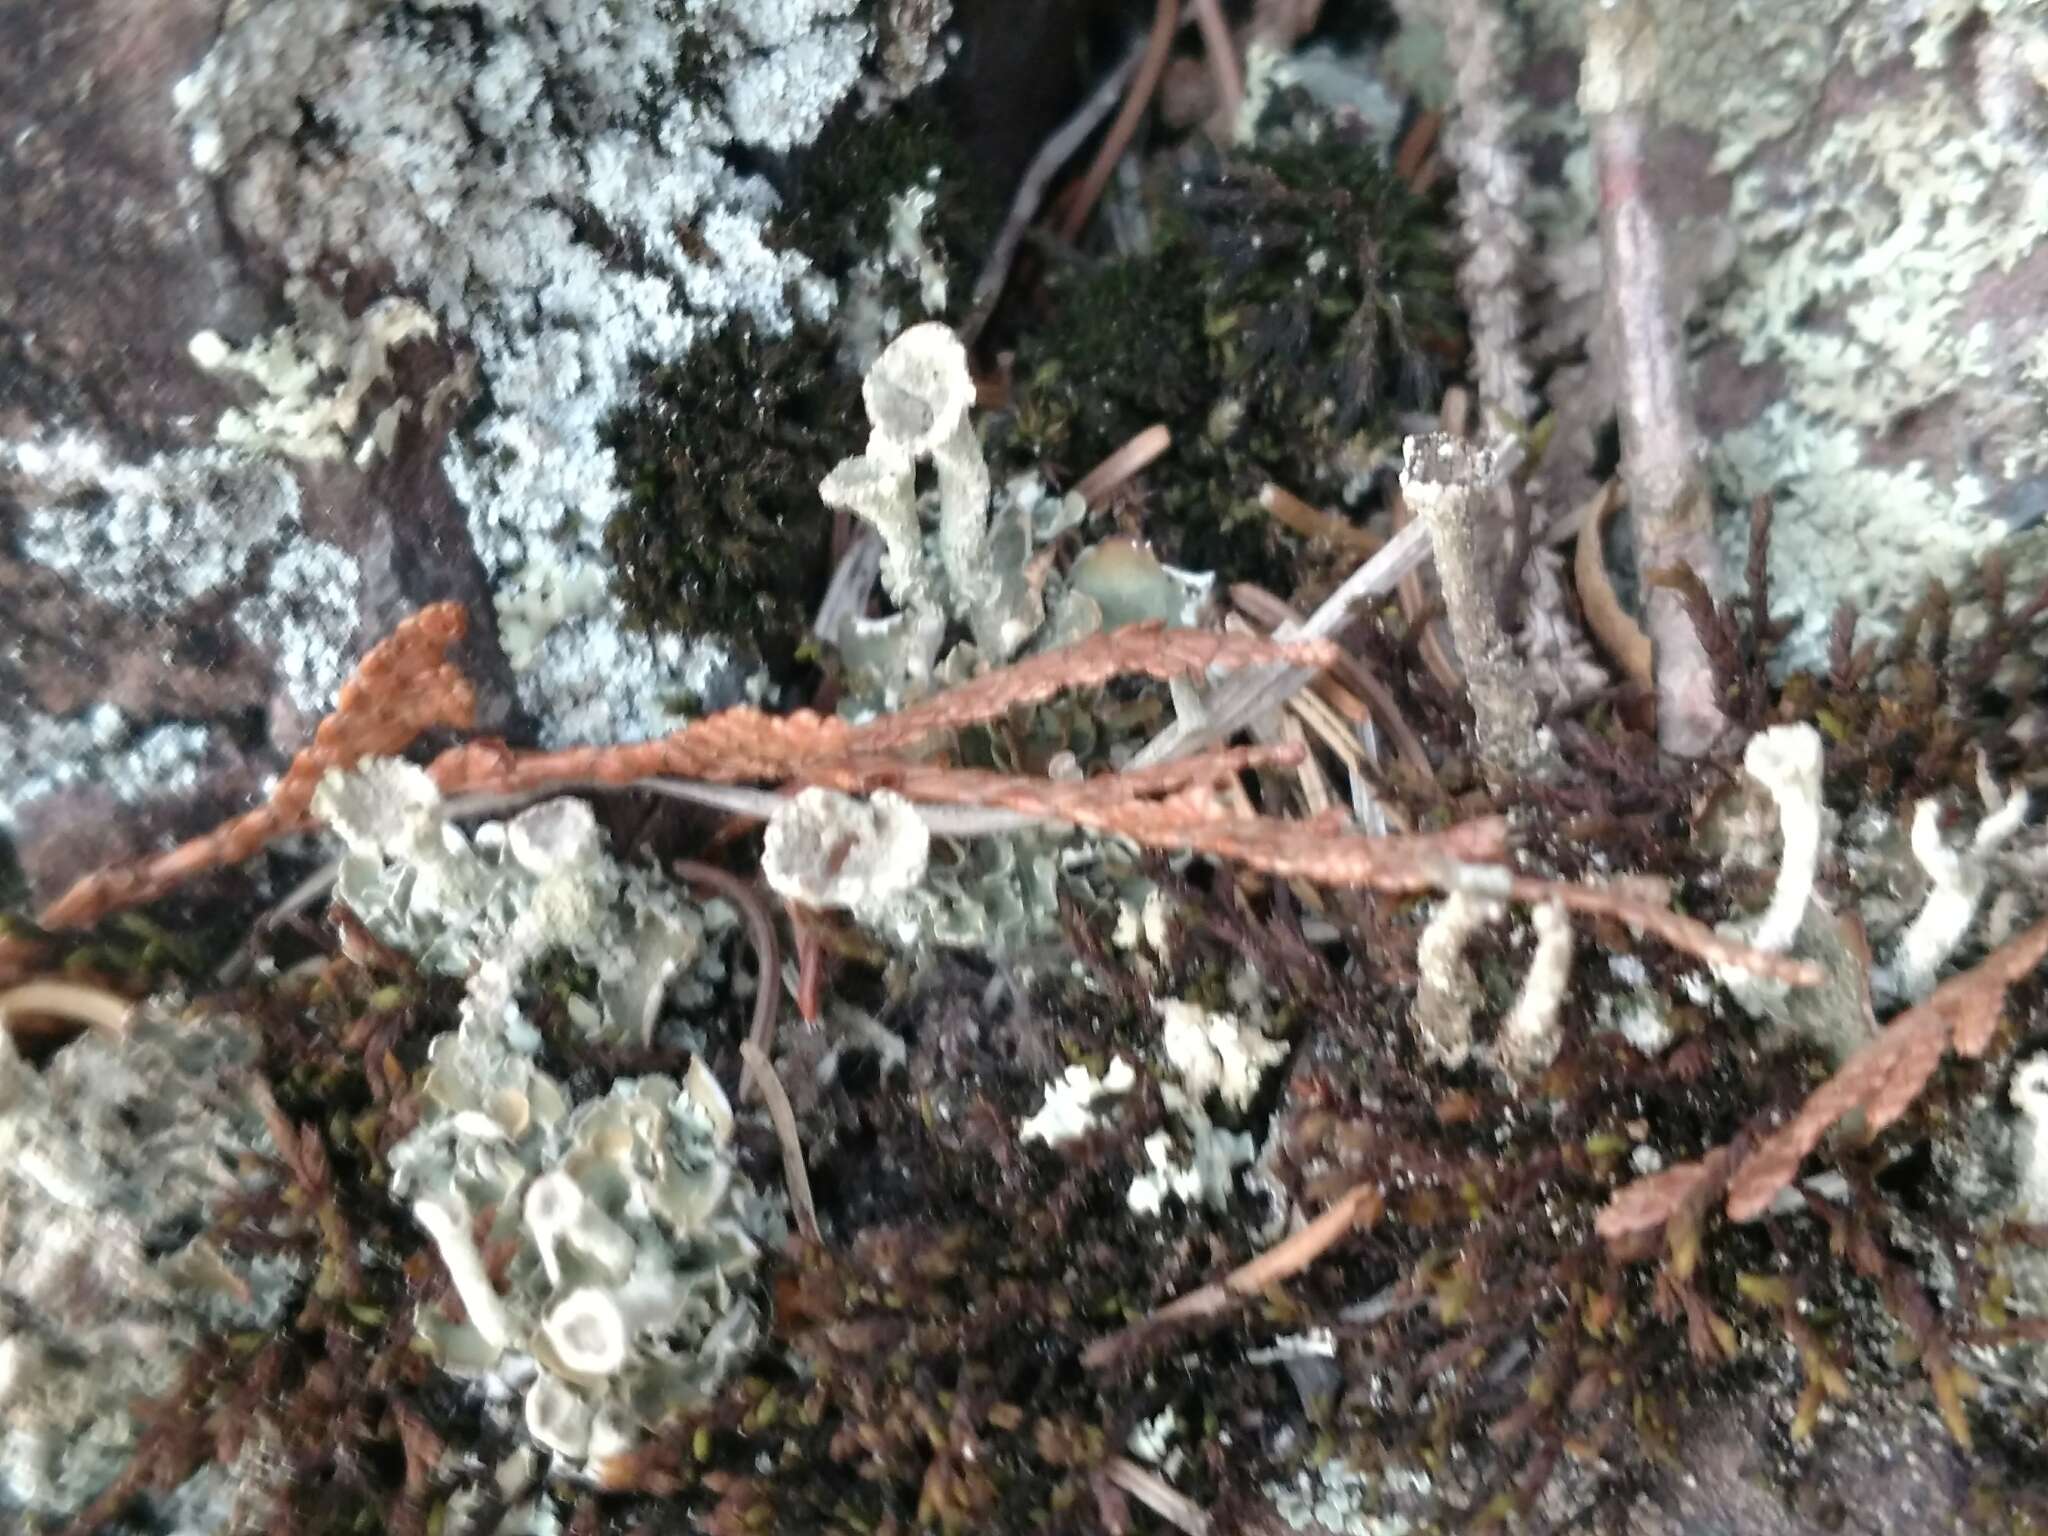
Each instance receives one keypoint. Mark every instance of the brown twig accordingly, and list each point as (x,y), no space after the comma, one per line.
(404,686)
(793,1172)
(767,958)
(1253,693)
(1143,83)
(1124,462)
(1359,1206)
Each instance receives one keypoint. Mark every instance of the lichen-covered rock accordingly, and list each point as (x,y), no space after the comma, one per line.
(114,1160)
(1859,198)
(562,185)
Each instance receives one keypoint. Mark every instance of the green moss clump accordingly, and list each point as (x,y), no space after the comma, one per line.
(722,531)
(1293,299)
(838,200)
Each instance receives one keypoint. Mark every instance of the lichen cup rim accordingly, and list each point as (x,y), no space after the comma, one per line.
(50,1010)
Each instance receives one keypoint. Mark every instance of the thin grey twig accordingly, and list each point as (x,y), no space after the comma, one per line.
(1030,193)
(1668,500)
(767,957)
(794,1174)
(853,579)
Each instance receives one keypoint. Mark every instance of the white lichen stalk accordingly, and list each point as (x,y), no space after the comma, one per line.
(1959,878)
(1533,1031)
(1448,993)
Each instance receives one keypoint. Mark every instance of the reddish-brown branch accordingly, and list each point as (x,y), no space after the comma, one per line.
(404,686)
(1885,1076)
(1082,202)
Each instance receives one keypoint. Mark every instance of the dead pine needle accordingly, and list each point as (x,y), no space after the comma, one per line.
(1312,522)
(1221,50)
(1157,1495)
(784,1119)
(767,957)
(1620,636)
(25,1009)
(1151,66)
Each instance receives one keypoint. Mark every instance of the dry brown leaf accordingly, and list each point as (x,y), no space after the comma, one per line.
(1620,636)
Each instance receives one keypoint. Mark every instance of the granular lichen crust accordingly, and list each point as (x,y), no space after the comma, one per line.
(1863,191)
(563,186)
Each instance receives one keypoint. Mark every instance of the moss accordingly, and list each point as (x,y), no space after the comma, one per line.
(842,185)
(1293,298)
(722,531)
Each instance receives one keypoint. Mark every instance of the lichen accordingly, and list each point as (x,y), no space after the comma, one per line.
(563,188)
(490,907)
(115,1159)
(195,527)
